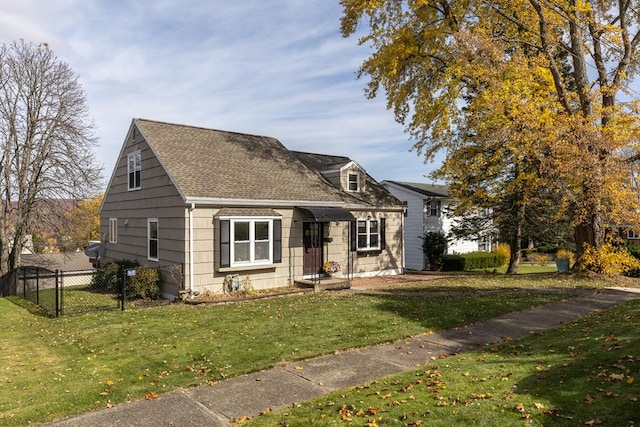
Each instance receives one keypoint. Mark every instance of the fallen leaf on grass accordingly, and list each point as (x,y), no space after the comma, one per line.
(593,422)
(151,395)
(616,377)
(539,405)
(589,399)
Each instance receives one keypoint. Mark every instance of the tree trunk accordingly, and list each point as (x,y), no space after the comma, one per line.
(588,233)
(516,240)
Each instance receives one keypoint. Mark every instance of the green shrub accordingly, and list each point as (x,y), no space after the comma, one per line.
(473,261)
(143,285)
(547,249)
(453,263)
(110,277)
(434,246)
(634,249)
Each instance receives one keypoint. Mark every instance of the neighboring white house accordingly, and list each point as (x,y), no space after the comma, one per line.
(427,206)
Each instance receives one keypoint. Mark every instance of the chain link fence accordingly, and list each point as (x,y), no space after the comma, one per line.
(63,292)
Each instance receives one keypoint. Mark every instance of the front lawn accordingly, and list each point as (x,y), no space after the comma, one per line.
(586,372)
(490,282)
(55,368)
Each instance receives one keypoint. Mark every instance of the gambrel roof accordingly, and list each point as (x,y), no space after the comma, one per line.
(208,163)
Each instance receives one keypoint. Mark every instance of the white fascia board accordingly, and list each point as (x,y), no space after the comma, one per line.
(255,202)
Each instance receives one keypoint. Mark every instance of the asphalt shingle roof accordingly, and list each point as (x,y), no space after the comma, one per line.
(373,194)
(431,190)
(211,163)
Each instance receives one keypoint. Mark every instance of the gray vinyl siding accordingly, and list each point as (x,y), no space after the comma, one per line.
(157,198)
(389,259)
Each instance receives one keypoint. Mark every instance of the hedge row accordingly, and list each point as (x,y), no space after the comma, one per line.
(473,261)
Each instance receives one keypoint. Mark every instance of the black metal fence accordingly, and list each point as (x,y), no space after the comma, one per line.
(64,292)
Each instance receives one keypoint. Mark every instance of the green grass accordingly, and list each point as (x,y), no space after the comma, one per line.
(76,299)
(582,373)
(479,282)
(54,368)
(531,268)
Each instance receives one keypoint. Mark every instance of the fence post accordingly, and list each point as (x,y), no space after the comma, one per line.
(24,283)
(58,309)
(38,286)
(124,286)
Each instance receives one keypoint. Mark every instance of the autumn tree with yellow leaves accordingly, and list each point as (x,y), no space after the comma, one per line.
(520,95)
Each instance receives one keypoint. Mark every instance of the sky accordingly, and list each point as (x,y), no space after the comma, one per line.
(277,68)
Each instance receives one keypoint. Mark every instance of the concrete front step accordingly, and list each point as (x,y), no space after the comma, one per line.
(324,283)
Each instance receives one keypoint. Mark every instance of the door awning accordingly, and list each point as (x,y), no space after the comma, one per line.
(322,214)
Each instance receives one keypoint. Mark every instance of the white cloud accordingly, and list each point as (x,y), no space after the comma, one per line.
(272,67)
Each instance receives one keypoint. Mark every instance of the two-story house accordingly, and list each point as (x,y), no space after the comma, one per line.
(429,209)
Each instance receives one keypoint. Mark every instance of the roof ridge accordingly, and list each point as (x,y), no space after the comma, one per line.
(209,129)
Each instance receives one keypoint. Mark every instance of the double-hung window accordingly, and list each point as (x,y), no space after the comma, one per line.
(113,230)
(433,207)
(354,182)
(248,241)
(368,235)
(134,168)
(152,239)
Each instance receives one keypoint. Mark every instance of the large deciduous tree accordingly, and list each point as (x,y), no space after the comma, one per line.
(46,143)
(541,83)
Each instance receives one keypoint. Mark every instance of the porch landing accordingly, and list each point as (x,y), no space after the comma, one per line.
(324,283)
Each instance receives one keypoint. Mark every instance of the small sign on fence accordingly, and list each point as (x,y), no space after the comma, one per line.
(131,273)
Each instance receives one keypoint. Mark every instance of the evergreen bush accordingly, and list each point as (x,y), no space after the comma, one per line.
(434,247)
(473,261)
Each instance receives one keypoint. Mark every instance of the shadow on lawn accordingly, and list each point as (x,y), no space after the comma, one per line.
(587,369)
(28,305)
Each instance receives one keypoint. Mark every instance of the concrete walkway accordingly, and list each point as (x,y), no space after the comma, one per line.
(219,404)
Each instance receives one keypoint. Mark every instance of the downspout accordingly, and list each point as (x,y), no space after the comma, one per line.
(193,206)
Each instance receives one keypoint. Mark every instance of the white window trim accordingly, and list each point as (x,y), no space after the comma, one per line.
(368,247)
(157,239)
(252,220)
(133,154)
(357,175)
(438,207)
(113,230)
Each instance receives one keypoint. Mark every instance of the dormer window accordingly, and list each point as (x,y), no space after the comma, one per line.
(354,182)
(134,168)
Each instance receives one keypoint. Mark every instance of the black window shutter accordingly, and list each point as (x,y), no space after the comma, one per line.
(277,240)
(383,233)
(225,243)
(353,227)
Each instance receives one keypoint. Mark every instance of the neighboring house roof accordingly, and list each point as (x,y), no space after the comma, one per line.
(429,190)
(373,193)
(208,163)
(65,261)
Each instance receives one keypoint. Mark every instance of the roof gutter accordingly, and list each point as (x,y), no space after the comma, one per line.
(258,202)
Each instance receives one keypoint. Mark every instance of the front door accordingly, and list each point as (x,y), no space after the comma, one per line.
(312,261)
